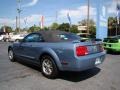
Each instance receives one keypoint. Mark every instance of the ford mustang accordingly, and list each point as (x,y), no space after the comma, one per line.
(56,51)
(112,44)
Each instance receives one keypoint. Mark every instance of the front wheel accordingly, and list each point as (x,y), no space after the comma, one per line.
(17,40)
(48,66)
(11,55)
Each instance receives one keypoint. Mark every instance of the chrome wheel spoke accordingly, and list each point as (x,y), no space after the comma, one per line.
(10,54)
(47,66)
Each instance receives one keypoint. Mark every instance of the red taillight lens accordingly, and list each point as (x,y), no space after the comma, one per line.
(81,51)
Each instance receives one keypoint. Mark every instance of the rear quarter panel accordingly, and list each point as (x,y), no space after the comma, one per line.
(61,52)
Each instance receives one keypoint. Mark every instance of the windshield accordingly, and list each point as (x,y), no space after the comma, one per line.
(111,40)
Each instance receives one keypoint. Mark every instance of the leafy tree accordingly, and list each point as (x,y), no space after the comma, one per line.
(74,29)
(64,27)
(46,28)
(92,27)
(112,26)
(33,28)
(24,29)
(8,29)
(17,30)
(111,22)
(54,26)
(84,22)
(93,31)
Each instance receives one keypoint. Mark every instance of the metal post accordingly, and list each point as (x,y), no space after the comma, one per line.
(118,16)
(88,14)
(19,22)
(19,12)
(16,22)
(4,29)
(116,29)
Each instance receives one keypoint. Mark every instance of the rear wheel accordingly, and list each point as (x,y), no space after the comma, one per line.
(11,55)
(48,66)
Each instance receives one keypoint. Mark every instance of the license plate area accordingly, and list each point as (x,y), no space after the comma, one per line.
(98,61)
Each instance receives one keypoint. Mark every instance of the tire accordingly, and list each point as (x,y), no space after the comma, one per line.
(11,55)
(17,40)
(7,40)
(48,67)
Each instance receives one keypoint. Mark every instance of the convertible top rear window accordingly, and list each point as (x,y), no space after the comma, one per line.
(66,36)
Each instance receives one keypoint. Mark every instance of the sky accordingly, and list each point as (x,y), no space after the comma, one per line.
(32,10)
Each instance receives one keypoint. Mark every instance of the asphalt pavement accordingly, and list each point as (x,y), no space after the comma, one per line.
(23,76)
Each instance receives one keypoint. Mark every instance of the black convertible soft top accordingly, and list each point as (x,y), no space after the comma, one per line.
(54,36)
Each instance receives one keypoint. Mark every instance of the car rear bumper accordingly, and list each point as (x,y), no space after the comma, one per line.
(112,46)
(113,49)
(85,62)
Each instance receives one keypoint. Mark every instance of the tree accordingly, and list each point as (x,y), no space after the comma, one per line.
(92,27)
(74,29)
(54,26)
(112,26)
(93,31)
(8,29)
(16,30)
(84,22)
(64,27)
(46,28)
(34,28)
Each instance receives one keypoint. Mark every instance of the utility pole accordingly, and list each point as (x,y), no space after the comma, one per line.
(16,22)
(4,29)
(56,17)
(19,12)
(118,17)
(88,16)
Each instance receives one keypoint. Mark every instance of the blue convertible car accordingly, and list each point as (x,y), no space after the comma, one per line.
(56,51)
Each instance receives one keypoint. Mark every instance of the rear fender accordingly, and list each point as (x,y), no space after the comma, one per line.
(52,53)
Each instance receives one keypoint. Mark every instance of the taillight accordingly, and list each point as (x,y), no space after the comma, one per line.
(81,51)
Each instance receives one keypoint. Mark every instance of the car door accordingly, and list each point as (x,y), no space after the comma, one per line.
(30,46)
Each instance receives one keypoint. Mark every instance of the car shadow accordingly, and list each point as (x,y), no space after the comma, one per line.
(69,76)
(79,76)
(30,65)
(113,52)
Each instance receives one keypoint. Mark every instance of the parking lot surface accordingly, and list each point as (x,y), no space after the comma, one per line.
(23,76)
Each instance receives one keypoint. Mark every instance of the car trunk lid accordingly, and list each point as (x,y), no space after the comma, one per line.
(92,47)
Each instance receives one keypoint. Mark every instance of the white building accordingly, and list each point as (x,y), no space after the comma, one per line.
(82,30)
